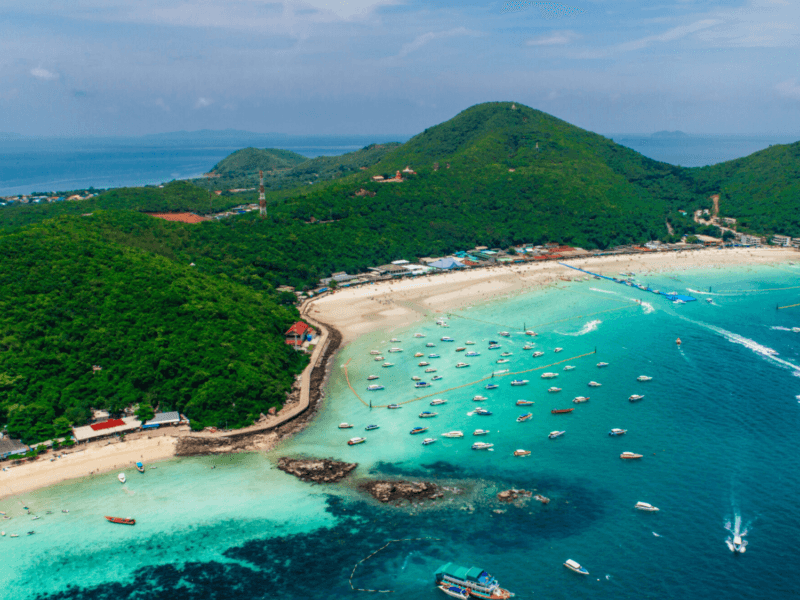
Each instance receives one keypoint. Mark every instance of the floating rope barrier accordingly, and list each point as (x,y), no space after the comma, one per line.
(353,573)
(600,312)
(458,387)
(787,306)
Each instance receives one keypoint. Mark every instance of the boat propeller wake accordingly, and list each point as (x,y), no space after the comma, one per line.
(587,328)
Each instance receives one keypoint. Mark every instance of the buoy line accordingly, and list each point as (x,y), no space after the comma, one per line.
(352,574)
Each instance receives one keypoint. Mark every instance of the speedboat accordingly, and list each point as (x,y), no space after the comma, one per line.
(710,300)
(357,440)
(417,430)
(594,384)
(419,335)
(428,441)
(379,358)
(524,402)
(479,398)
(345,425)
(436,378)
(531,332)
(426,414)
(431,370)
(387,364)
(447,339)
(506,353)
(374,388)
(549,375)
(629,455)
(460,349)
(495,347)
(438,401)
(646,506)
(461,365)
(569,368)
(393,340)
(395,349)
(454,591)
(375,352)
(739,545)
(483,412)
(602,364)
(615,432)
(423,363)
(522,452)
(491,386)
(579,399)
(372,377)
(554,389)
(422,384)
(416,378)
(453,434)
(558,350)
(504,333)
(419,355)
(635,397)
(644,378)
(469,343)
(527,347)
(480,432)
(574,566)
(561,411)
(371,427)
(433,356)
(519,382)
(538,353)
(502,361)
(554,434)
(430,345)
(121,477)
(481,446)
(394,406)
(472,353)
(139,467)
(525,417)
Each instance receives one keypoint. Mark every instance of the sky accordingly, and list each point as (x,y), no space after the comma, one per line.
(110,67)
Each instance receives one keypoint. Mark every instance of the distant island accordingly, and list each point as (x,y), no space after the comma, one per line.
(669,134)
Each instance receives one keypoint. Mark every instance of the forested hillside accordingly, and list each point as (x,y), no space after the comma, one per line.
(163,333)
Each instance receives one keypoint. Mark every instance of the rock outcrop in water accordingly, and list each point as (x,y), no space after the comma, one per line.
(395,491)
(318,470)
(512,495)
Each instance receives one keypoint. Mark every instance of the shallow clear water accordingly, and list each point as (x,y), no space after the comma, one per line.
(717,429)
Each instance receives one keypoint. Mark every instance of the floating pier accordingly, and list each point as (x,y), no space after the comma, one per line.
(672,297)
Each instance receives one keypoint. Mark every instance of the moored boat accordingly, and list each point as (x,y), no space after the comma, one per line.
(479,398)
(422,384)
(140,467)
(461,365)
(531,332)
(574,566)
(554,389)
(560,411)
(433,356)
(646,507)
(417,430)
(502,361)
(426,414)
(436,378)
(569,367)
(454,591)
(430,370)
(500,372)
(481,446)
(644,378)
(522,452)
(371,427)
(121,520)
(558,350)
(472,353)
(504,354)
(394,340)
(525,417)
(579,399)
(375,352)
(356,440)
(395,349)
(483,412)
(419,355)
(438,401)
(635,397)
(504,333)
(453,434)
(549,375)
(460,349)
(394,406)
(387,364)
(555,434)
(594,384)
(519,382)
(524,402)
(374,388)
(447,339)
(379,358)
(527,347)
(491,386)
(423,363)
(430,345)
(419,335)
(121,477)
(538,353)
(615,432)
(469,343)
(373,377)
(602,364)
(428,441)
(629,455)
(480,432)
(477,582)
(416,378)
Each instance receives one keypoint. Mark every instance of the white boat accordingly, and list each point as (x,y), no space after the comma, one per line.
(495,347)
(393,340)
(387,364)
(375,352)
(739,546)
(615,432)
(558,350)
(447,339)
(428,441)
(433,356)
(419,335)
(710,300)
(594,384)
(527,347)
(421,384)
(416,378)
(461,365)
(530,332)
(469,343)
(602,364)
(423,363)
(549,375)
(481,446)
(579,399)
(374,388)
(426,414)
(436,378)
(345,426)
(554,434)
(635,397)
(472,353)
(644,378)
(504,333)
(500,371)
(538,353)
(554,389)
(121,477)
(796,329)
(378,358)
(454,591)
(430,370)
(395,349)
(574,566)
(479,398)
(418,355)
(569,367)
(506,354)
(356,440)
(430,345)
(438,401)
(453,434)
(522,452)
(646,506)
(629,455)
(372,377)
(502,361)
(394,406)
(519,382)
(480,432)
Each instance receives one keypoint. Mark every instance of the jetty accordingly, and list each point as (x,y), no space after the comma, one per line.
(671,297)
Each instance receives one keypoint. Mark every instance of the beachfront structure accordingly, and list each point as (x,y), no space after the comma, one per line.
(296,334)
(163,418)
(707,240)
(446,264)
(782,240)
(9,447)
(96,431)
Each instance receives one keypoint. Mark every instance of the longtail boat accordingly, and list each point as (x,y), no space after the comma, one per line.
(121,521)
(558,411)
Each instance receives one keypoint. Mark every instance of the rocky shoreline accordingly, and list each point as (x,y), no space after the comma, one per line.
(397,491)
(315,469)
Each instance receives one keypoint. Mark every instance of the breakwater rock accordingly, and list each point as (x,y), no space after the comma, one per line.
(512,495)
(395,491)
(318,470)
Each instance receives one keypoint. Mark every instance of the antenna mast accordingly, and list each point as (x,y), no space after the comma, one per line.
(262,200)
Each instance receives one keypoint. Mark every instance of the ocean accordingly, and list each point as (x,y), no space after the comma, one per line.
(717,430)
(53,164)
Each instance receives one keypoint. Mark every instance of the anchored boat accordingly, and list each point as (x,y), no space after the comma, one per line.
(524,402)
(519,382)
(417,430)
(561,411)
(357,440)
(646,507)
(574,566)
(480,432)
(644,378)
(615,432)
(479,398)
(483,412)
(579,399)
(461,365)
(140,467)
(553,390)
(635,397)
(481,446)
(374,388)
(345,425)
(522,452)
(525,417)
(630,455)
(549,375)
(477,581)
(453,434)
(538,353)
(121,521)
(371,427)
(428,441)
(491,386)
(437,401)
(555,434)
(426,414)
(594,384)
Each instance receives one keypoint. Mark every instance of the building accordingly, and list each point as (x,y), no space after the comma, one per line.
(9,447)
(729,221)
(296,334)
(392,270)
(163,418)
(782,240)
(185,217)
(750,240)
(96,431)
(340,278)
(446,264)
(707,240)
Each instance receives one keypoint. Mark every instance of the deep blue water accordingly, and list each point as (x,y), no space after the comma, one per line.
(717,428)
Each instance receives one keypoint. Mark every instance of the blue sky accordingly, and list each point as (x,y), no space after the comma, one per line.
(104,67)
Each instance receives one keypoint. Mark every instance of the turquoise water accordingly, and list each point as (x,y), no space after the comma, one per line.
(717,431)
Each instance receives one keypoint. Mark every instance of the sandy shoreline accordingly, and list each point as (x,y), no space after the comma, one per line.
(384,306)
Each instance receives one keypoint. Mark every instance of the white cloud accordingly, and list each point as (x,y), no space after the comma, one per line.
(425,38)
(162,105)
(203,102)
(43,74)
(789,89)
(554,38)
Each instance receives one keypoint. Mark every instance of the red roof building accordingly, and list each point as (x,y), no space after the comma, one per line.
(107,424)
(298,328)
(180,217)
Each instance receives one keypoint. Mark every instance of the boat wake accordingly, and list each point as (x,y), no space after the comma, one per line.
(701,293)
(779,328)
(647,308)
(603,291)
(587,328)
(655,534)
(736,531)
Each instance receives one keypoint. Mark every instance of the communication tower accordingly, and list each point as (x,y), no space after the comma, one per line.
(262,200)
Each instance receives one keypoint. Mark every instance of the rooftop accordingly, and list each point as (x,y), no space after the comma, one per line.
(180,217)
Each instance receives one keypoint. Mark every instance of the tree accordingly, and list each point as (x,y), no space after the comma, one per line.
(145,412)
(62,427)
(728,235)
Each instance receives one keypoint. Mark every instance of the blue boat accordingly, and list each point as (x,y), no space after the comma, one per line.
(479,583)
(492,386)
(140,467)
(418,430)
(447,339)
(472,353)
(370,427)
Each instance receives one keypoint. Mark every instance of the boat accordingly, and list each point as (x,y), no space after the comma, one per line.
(36,518)
(387,364)
(477,582)
(140,467)
(428,441)
(394,406)
(436,378)
(525,417)
(629,455)
(647,507)
(416,378)
(594,384)
(454,591)
(527,347)
(494,346)
(635,397)
(121,521)
(374,388)
(561,411)
(678,341)
(461,365)
(579,399)
(417,430)
(430,345)
(469,343)
(538,353)
(506,353)
(574,566)
(602,364)
(433,356)
(67,510)
(491,386)
(479,398)
(522,452)
(549,375)
(31,532)
(14,535)
(555,434)
(394,340)
(519,382)
(419,335)
(121,477)
(502,361)
(554,389)
(678,301)
(375,352)
(472,353)
(615,432)
(371,427)
(460,349)
(395,349)
(481,446)
(738,546)
(524,402)
(438,401)
(483,412)
(644,378)
(373,377)
(379,358)
(558,350)
(431,370)
(423,363)
(422,384)
(447,339)
(480,432)
(453,434)
(531,332)
(504,333)
(419,355)
(356,440)
(426,414)
(569,368)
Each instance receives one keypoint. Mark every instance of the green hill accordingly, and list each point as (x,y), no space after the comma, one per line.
(163,332)
(249,161)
